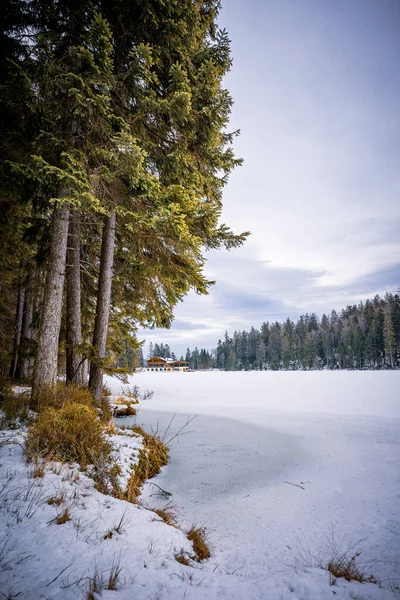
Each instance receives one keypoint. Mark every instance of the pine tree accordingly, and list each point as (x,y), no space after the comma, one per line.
(389,339)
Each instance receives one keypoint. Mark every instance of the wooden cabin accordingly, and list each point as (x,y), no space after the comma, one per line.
(157,363)
(180,365)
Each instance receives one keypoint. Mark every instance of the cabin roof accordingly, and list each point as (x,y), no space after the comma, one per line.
(167,361)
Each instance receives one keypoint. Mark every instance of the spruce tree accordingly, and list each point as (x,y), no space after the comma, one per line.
(389,339)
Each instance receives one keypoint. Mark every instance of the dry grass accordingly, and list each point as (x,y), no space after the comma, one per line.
(124,407)
(56,500)
(344,560)
(119,527)
(113,577)
(61,394)
(182,559)
(14,407)
(63,517)
(39,469)
(106,391)
(167,514)
(132,392)
(151,459)
(110,428)
(95,585)
(71,433)
(105,410)
(197,536)
(348,568)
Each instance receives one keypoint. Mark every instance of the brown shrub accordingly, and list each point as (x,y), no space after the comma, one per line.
(72,433)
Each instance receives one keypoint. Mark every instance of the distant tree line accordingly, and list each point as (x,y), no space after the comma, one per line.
(363,336)
(197,359)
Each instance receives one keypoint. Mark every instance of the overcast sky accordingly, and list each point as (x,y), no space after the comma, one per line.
(316,86)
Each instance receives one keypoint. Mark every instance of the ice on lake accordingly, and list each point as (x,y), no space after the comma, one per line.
(258,436)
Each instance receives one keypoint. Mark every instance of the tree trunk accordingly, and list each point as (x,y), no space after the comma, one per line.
(45,371)
(73,276)
(85,369)
(26,360)
(103,305)
(18,329)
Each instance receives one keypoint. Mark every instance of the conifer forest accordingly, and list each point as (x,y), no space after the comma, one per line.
(114,155)
(363,336)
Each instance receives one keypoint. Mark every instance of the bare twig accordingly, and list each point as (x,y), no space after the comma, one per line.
(60,573)
(296,484)
(188,421)
(160,488)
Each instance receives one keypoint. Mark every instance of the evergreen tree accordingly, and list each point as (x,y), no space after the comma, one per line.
(389,337)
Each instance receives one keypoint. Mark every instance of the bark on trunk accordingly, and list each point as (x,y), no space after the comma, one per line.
(45,371)
(26,354)
(85,372)
(73,275)
(18,329)
(103,305)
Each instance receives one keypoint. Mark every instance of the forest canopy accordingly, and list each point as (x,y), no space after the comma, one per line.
(115,151)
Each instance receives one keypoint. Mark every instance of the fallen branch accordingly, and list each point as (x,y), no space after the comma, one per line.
(296,484)
(160,488)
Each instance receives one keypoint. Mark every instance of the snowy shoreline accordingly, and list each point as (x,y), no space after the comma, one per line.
(234,473)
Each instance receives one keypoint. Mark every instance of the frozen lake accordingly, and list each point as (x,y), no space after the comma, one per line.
(335,434)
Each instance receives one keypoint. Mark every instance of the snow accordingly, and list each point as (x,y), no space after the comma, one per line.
(126,446)
(279,467)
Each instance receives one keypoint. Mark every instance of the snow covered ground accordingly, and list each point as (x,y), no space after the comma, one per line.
(279,467)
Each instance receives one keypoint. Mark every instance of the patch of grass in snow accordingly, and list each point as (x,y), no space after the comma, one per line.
(197,536)
(56,500)
(117,528)
(344,560)
(38,471)
(114,574)
(341,565)
(167,514)
(70,433)
(96,584)
(63,517)
(182,559)
(152,457)
(123,407)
